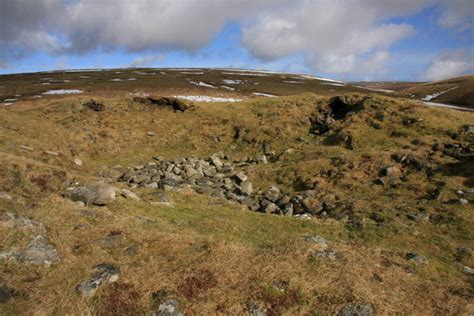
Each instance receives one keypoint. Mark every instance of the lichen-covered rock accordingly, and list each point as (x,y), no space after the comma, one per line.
(38,251)
(97,193)
(102,273)
(356,310)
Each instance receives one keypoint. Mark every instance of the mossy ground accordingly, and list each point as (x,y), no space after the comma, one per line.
(213,256)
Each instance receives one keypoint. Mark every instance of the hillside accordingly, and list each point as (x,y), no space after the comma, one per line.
(455,91)
(117,198)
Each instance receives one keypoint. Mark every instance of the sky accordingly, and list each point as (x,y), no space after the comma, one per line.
(350,40)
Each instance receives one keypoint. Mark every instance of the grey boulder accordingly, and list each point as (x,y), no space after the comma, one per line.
(97,193)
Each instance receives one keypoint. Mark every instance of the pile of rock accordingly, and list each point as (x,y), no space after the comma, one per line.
(217,176)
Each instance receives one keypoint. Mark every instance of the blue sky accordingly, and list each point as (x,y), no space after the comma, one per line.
(348,40)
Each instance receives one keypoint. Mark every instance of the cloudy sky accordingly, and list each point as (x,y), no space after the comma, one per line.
(342,39)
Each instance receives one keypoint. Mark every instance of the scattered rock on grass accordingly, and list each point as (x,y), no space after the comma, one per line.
(103,273)
(416,258)
(357,310)
(318,240)
(325,254)
(256,309)
(5,196)
(78,162)
(97,193)
(130,195)
(38,251)
(168,308)
(468,270)
(11,220)
(163,305)
(51,153)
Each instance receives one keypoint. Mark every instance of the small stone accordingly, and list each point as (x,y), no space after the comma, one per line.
(416,258)
(356,310)
(5,196)
(459,192)
(467,270)
(256,309)
(130,195)
(216,161)
(78,162)
(11,220)
(246,188)
(325,254)
(79,204)
(168,308)
(24,147)
(103,272)
(393,172)
(38,251)
(52,153)
(240,177)
(151,133)
(463,201)
(320,241)
(97,193)
(272,194)
(270,208)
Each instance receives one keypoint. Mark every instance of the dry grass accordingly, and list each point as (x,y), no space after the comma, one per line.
(213,257)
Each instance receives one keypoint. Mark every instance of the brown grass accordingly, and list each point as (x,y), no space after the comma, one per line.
(214,257)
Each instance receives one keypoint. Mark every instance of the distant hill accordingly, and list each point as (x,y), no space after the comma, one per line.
(455,91)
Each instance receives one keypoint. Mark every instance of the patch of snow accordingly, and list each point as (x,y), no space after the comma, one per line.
(10,100)
(203,98)
(250,71)
(45,83)
(245,74)
(191,73)
(292,81)
(139,94)
(228,88)
(63,91)
(430,97)
(333,84)
(116,79)
(232,81)
(449,106)
(264,94)
(185,69)
(202,84)
(7,103)
(36,97)
(162,72)
(320,78)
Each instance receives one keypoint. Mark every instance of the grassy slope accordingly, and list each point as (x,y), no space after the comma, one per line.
(463,95)
(244,252)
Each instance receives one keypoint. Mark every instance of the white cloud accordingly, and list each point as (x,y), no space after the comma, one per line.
(334,35)
(337,36)
(149,24)
(450,64)
(457,14)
